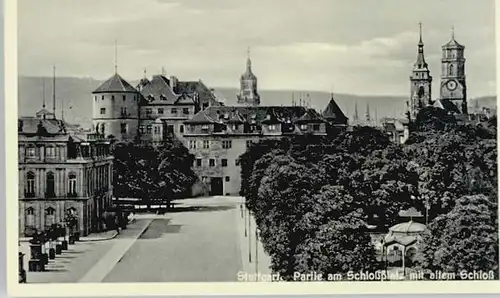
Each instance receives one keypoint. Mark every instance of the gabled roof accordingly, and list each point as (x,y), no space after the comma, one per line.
(310,116)
(198,88)
(334,113)
(446,105)
(184,98)
(115,84)
(44,112)
(159,91)
(201,118)
(29,125)
(235,117)
(248,114)
(453,44)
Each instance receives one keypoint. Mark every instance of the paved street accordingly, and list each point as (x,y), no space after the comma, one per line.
(198,242)
(202,240)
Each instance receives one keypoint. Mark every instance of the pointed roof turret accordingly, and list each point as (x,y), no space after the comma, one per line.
(115,84)
(453,43)
(248,72)
(333,112)
(420,64)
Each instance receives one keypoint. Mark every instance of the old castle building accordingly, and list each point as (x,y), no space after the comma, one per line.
(216,134)
(61,170)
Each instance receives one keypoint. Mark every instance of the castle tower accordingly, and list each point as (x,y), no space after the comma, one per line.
(453,85)
(115,109)
(420,82)
(248,86)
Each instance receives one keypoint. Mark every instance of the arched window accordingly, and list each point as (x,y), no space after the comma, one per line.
(72,184)
(30,184)
(30,217)
(50,217)
(50,185)
(450,69)
(50,152)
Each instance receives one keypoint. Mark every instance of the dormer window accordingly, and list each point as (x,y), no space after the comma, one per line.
(272,127)
(150,97)
(268,117)
(163,97)
(303,127)
(204,127)
(174,111)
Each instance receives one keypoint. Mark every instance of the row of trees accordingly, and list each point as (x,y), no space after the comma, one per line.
(152,174)
(313,196)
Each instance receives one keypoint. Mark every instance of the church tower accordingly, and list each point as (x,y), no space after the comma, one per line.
(248,86)
(421,82)
(453,86)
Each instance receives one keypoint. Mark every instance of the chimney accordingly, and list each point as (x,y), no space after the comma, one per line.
(173,83)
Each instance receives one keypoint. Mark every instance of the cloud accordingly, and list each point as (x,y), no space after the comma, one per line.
(361,46)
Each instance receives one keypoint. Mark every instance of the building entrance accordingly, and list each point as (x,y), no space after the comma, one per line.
(216,188)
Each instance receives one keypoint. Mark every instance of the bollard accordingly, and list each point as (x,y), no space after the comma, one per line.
(71,239)
(64,245)
(52,253)
(58,249)
(45,258)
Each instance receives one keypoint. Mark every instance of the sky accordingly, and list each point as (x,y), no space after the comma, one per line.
(364,47)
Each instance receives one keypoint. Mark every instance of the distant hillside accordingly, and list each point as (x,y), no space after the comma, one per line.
(76,93)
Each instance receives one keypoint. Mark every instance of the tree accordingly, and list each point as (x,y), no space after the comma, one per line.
(465,239)
(152,174)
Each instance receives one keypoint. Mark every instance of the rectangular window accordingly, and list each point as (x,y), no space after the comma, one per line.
(204,127)
(112,97)
(123,111)
(237,162)
(103,111)
(174,111)
(227,178)
(212,162)
(185,111)
(316,127)
(192,144)
(249,143)
(141,128)
(102,97)
(149,111)
(227,144)
(272,127)
(224,162)
(303,127)
(181,128)
(206,144)
(156,130)
(198,162)
(149,128)
(124,97)
(160,111)
(30,152)
(50,152)
(204,179)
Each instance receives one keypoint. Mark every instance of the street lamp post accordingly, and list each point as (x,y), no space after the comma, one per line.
(249,240)
(256,250)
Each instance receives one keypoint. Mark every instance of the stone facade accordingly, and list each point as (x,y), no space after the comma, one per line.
(61,171)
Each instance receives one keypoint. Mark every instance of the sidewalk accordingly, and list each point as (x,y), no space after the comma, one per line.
(254,259)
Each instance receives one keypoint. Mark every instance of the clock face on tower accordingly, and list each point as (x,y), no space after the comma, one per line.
(451,85)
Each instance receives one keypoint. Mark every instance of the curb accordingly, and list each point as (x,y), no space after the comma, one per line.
(100,239)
